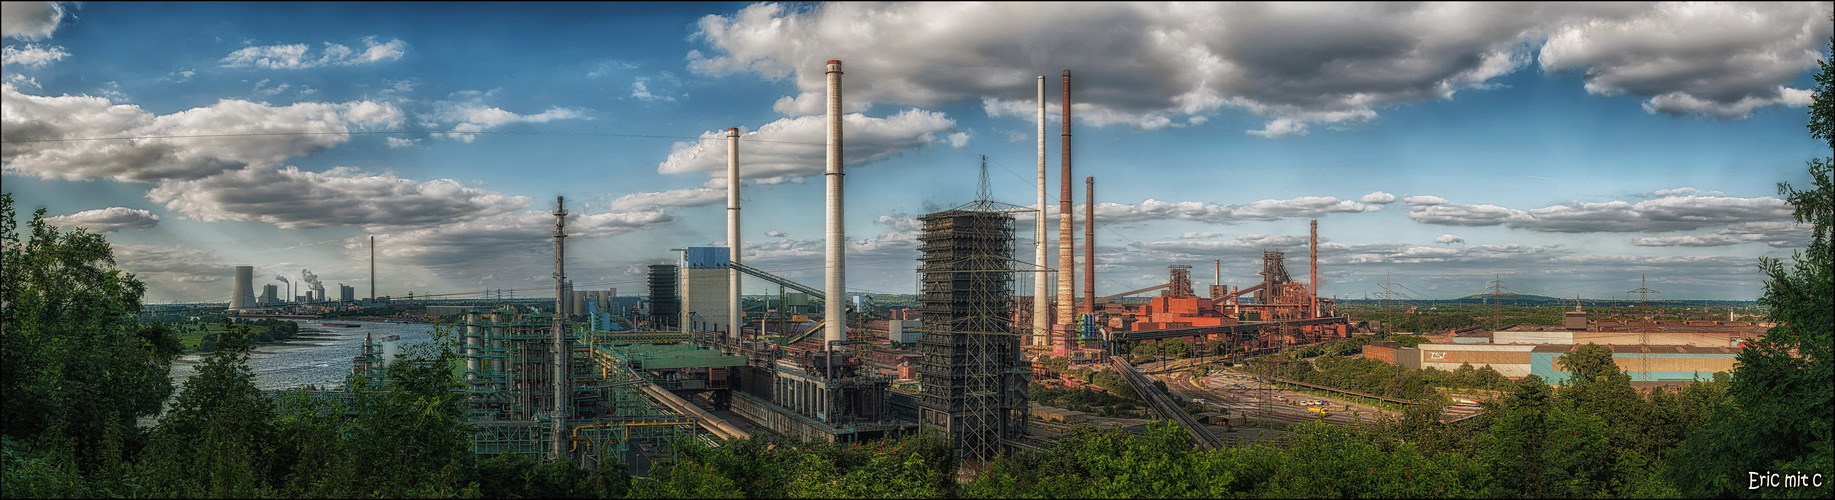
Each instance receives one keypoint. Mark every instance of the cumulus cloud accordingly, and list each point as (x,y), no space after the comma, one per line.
(31,55)
(1242,245)
(30,20)
(1669,213)
(176,272)
(1715,59)
(472,115)
(793,147)
(1379,198)
(1775,234)
(1264,210)
(1448,239)
(691,197)
(494,244)
(1712,240)
(290,198)
(107,220)
(1147,66)
(83,137)
(300,56)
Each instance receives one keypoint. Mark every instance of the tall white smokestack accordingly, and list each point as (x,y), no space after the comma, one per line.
(732,231)
(1067,254)
(244,295)
(1041,329)
(835,282)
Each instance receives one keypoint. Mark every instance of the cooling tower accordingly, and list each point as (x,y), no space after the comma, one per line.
(244,296)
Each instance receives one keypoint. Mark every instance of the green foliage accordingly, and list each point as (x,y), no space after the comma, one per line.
(1778,411)
(79,365)
(218,440)
(919,466)
(1409,341)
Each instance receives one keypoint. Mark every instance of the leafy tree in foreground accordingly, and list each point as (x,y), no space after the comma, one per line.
(1780,415)
(79,365)
(219,439)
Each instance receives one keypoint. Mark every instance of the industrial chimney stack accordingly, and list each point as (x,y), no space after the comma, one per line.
(734,314)
(1041,329)
(1089,245)
(1067,254)
(835,280)
(560,339)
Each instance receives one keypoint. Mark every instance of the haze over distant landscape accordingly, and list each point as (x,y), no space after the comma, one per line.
(1572,149)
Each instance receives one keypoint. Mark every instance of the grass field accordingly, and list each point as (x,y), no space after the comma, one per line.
(192,334)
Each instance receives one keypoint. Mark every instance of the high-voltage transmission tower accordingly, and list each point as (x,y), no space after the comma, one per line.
(1388,295)
(1497,301)
(1643,294)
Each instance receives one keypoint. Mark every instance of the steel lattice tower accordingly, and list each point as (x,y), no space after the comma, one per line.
(974,380)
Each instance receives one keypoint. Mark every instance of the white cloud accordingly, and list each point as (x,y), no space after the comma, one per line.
(1189,235)
(664,87)
(107,220)
(473,116)
(1669,213)
(1713,240)
(1775,234)
(298,56)
(77,131)
(32,55)
(290,198)
(397,142)
(793,147)
(1716,59)
(22,81)
(506,244)
(30,20)
(1379,198)
(1684,191)
(776,234)
(691,197)
(1141,65)
(1448,239)
(1424,200)
(176,272)
(1264,210)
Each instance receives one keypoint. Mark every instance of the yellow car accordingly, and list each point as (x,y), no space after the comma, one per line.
(1320,411)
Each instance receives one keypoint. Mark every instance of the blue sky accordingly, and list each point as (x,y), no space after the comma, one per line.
(1571,149)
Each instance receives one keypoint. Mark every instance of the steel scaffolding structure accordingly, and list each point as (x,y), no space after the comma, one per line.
(974,380)
(665,303)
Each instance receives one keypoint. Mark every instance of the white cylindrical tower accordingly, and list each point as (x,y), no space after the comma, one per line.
(244,295)
(1040,281)
(733,245)
(835,281)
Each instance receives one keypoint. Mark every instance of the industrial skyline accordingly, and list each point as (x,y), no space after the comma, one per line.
(1571,149)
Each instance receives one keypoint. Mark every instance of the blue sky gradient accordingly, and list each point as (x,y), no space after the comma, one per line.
(1572,149)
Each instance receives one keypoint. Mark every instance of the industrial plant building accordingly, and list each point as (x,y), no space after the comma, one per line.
(539,385)
(1651,353)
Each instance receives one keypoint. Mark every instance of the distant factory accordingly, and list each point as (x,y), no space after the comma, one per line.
(1652,353)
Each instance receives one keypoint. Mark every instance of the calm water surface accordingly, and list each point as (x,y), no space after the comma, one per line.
(325,363)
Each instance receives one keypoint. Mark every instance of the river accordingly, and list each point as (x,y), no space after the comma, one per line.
(321,357)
